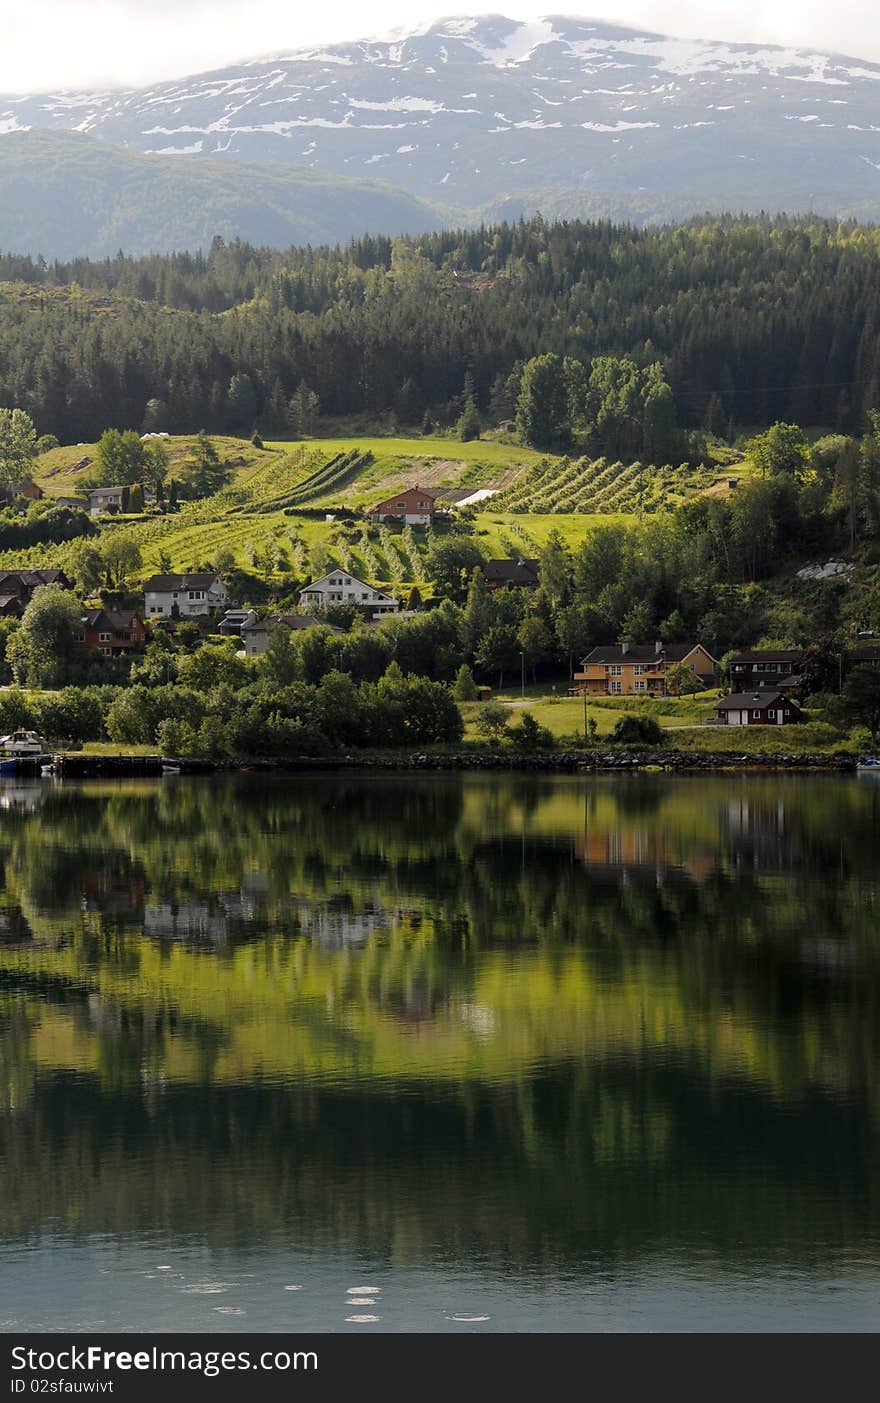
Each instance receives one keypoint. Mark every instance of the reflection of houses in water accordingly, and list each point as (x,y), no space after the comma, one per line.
(644,850)
(187,920)
(759,832)
(332,924)
(113,893)
(24,797)
(335,926)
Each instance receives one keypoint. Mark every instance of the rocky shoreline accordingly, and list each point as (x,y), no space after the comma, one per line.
(77,765)
(573,762)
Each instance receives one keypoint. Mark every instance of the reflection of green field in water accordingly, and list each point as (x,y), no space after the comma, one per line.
(522,1017)
(491,931)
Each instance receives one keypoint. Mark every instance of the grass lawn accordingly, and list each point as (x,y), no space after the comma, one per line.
(564,716)
(495,456)
(55,472)
(107,747)
(766,740)
(248,513)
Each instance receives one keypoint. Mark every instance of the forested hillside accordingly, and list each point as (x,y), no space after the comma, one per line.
(116,198)
(750,320)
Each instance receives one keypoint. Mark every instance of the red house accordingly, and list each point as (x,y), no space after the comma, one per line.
(106,631)
(414,506)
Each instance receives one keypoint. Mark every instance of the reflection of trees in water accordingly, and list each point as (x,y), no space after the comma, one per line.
(577,1168)
(547,1021)
(426,840)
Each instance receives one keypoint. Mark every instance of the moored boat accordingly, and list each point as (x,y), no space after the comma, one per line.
(22,743)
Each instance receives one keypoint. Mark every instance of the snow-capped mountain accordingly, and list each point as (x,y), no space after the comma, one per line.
(474,113)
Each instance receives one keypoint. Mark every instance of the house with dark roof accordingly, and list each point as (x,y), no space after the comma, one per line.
(27,488)
(111,632)
(755,669)
(234,620)
(521,574)
(183,596)
(17,587)
(255,634)
(768,706)
(634,669)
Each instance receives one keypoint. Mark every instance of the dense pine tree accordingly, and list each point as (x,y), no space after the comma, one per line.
(750,321)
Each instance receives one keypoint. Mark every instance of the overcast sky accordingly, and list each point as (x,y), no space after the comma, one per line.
(51,43)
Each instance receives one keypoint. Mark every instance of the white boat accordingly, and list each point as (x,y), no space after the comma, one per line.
(23,743)
(869,766)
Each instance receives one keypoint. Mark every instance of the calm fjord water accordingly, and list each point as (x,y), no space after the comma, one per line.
(442,1053)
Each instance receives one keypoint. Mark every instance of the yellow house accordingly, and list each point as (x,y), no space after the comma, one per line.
(633,669)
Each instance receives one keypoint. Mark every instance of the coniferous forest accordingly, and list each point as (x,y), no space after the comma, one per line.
(751,320)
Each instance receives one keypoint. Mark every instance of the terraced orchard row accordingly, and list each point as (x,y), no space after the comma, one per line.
(582,485)
(333,476)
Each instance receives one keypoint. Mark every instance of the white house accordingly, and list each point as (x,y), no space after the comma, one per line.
(234,620)
(339,587)
(183,596)
(106,499)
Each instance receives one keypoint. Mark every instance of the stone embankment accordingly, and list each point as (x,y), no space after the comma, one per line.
(576,762)
(79,765)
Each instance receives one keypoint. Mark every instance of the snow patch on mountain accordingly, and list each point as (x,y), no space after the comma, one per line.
(617,127)
(477,95)
(406,104)
(519,45)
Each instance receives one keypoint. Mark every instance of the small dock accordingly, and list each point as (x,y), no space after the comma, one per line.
(73,765)
(76,766)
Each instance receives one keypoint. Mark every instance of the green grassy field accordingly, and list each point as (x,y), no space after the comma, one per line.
(684,718)
(564,716)
(248,516)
